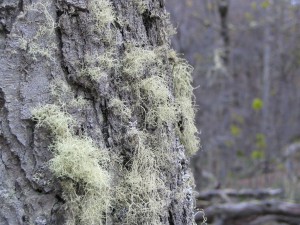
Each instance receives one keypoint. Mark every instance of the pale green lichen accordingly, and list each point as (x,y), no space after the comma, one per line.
(182,73)
(77,159)
(50,116)
(99,65)
(42,43)
(64,96)
(83,168)
(141,5)
(156,90)
(187,129)
(143,191)
(157,116)
(80,160)
(102,13)
(120,109)
(139,61)
(183,90)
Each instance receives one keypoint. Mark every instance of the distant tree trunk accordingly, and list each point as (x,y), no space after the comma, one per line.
(72,56)
(267,83)
(223,7)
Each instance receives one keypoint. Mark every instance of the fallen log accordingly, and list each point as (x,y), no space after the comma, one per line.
(244,193)
(230,213)
(279,219)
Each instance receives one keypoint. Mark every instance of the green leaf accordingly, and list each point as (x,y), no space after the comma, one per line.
(257,154)
(235,130)
(265,4)
(254,5)
(257,104)
(240,153)
(260,141)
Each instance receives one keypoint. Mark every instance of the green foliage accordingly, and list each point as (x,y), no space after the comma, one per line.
(265,4)
(238,118)
(260,141)
(248,16)
(81,161)
(235,131)
(143,189)
(156,116)
(254,5)
(257,104)
(240,153)
(257,155)
(102,17)
(229,144)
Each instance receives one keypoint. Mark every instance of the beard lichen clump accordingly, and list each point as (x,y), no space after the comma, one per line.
(143,190)
(98,66)
(183,90)
(147,72)
(102,13)
(138,62)
(81,161)
(59,122)
(120,109)
(141,5)
(41,42)
(156,92)
(80,165)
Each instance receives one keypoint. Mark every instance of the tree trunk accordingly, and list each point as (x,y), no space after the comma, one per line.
(96,115)
(267,54)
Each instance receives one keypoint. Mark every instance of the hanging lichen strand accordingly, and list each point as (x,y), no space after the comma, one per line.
(157,92)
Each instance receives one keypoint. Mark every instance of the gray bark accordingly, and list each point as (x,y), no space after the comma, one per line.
(29,193)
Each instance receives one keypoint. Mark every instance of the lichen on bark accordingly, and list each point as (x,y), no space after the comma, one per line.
(119,94)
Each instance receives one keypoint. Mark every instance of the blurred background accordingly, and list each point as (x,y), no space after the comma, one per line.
(246,56)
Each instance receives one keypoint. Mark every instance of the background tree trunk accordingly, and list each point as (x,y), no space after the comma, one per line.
(43,43)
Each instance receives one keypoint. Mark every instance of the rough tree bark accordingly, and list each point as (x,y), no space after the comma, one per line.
(44,46)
